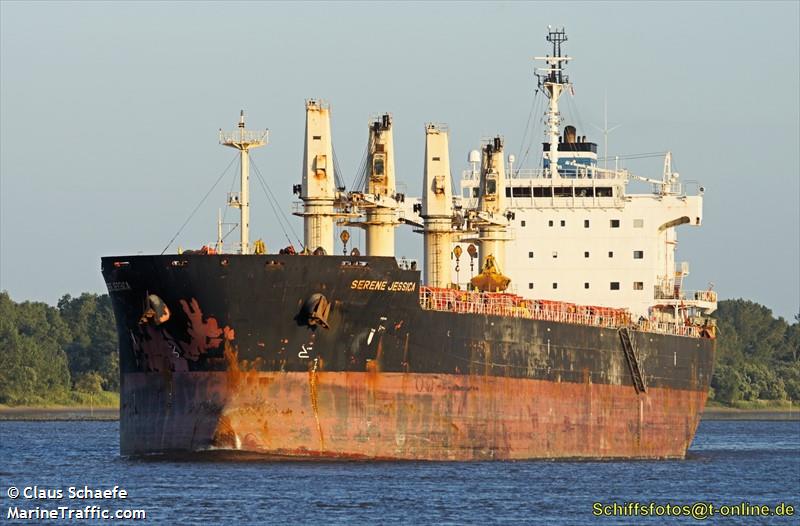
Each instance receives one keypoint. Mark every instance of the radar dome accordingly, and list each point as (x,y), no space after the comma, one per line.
(474,156)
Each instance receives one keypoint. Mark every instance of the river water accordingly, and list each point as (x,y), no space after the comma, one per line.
(730,463)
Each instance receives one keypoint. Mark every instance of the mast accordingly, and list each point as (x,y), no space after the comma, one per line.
(318,190)
(218,245)
(380,194)
(437,207)
(553,81)
(243,140)
(492,220)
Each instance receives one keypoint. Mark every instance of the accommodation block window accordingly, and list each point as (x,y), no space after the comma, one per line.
(615,285)
(638,285)
(549,223)
(638,254)
(530,285)
(610,254)
(586,254)
(586,285)
(530,254)
(555,285)
(522,223)
(615,223)
(638,223)
(585,223)
(563,223)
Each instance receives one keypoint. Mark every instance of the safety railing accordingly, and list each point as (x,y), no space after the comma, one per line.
(513,306)
(685,295)
(570,172)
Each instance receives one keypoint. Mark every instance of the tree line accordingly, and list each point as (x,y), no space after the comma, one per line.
(758,355)
(54,354)
(58,355)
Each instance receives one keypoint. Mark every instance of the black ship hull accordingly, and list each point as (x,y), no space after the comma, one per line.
(248,358)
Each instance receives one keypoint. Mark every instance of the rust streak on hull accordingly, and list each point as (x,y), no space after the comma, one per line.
(409,416)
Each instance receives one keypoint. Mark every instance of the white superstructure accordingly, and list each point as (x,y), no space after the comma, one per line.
(579,236)
(568,231)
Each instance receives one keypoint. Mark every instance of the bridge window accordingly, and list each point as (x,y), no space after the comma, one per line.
(615,285)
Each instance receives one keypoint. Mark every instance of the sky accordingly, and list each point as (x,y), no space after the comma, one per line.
(109,117)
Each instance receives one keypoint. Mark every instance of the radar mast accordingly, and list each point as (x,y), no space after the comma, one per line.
(243,140)
(553,81)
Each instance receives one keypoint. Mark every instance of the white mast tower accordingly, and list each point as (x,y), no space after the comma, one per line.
(553,81)
(379,199)
(491,217)
(437,207)
(243,140)
(318,190)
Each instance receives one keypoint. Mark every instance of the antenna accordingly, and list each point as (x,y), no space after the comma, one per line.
(606,130)
(243,140)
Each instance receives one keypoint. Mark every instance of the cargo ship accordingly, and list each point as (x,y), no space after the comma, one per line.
(569,337)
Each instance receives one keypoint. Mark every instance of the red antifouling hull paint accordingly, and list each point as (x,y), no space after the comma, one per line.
(374,415)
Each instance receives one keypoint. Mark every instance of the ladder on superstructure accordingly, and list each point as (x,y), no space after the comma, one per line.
(632,357)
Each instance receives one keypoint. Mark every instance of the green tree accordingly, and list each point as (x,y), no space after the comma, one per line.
(33,365)
(757,354)
(90,382)
(756,333)
(94,339)
(727,384)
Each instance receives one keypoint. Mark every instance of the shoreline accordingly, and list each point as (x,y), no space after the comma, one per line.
(57,413)
(765,413)
(78,413)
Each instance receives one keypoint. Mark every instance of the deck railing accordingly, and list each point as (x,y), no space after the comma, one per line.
(513,306)
(685,295)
